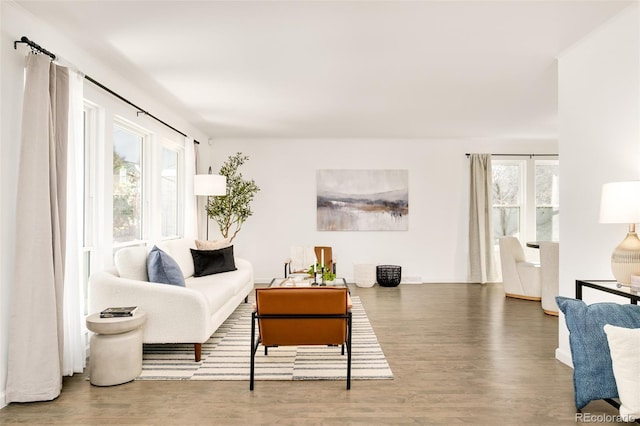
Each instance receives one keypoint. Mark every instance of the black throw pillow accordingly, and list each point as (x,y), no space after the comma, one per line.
(209,262)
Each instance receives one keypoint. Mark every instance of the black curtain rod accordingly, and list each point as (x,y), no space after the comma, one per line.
(520,155)
(41,49)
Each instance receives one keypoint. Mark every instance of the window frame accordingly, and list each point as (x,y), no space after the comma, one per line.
(528,225)
(146,182)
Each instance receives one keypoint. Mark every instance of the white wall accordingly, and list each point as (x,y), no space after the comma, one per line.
(435,246)
(14,23)
(599,142)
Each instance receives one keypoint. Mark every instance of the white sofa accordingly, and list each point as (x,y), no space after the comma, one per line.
(175,314)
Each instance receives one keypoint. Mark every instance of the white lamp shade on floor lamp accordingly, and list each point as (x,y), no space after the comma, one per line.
(620,203)
(210,185)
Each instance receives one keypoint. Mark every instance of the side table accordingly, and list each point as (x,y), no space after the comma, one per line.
(116,348)
(608,286)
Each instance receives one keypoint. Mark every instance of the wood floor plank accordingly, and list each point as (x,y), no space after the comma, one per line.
(460,354)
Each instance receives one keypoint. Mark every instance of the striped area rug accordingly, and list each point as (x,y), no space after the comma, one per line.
(226,356)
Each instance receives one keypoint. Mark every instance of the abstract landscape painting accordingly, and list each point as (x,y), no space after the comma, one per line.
(362,200)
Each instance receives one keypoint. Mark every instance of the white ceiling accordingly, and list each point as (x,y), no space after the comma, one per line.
(343,69)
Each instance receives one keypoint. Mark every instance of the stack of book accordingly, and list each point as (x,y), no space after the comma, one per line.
(126,311)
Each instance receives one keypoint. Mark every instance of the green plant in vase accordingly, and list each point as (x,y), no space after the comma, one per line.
(327,276)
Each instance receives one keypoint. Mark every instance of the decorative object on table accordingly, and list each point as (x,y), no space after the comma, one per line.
(233,209)
(364,275)
(388,275)
(209,185)
(325,255)
(125,311)
(362,200)
(620,203)
(321,274)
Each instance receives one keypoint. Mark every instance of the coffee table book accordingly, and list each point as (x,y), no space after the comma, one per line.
(124,311)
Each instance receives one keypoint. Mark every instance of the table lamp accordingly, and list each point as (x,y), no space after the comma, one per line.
(620,203)
(209,185)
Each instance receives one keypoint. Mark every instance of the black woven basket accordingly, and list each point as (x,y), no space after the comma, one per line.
(388,275)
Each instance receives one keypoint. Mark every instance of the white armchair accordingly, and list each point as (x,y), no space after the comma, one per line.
(521,279)
(301,258)
(549,272)
(304,257)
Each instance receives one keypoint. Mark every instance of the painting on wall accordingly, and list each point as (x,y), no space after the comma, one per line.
(362,200)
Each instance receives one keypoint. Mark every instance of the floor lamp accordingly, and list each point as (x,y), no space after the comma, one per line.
(209,185)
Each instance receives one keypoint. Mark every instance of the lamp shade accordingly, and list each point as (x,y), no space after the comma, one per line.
(210,185)
(620,202)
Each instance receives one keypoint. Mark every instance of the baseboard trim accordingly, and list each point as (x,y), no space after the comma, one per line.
(3,400)
(564,357)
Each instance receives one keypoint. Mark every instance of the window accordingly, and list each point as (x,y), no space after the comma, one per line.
(547,205)
(525,199)
(133,177)
(169,193)
(507,198)
(127,185)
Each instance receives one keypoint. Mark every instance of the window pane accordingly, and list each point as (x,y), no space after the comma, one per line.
(506,222)
(547,204)
(507,198)
(127,185)
(169,192)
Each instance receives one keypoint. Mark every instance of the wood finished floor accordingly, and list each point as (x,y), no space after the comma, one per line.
(460,354)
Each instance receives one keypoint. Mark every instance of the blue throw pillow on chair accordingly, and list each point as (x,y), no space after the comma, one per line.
(162,268)
(593,377)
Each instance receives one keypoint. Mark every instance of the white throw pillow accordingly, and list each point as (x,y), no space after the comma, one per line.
(624,345)
(213,245)
(132,263)
(180,250)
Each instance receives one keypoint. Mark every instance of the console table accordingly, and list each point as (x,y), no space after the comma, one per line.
(608,286)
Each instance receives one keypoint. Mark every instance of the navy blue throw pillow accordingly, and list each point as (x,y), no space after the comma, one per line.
(593,377)
(208,262)
(163,269)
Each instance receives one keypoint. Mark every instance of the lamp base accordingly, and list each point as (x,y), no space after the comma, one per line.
(625,259)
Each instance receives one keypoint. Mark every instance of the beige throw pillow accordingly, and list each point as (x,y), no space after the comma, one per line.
(213,245)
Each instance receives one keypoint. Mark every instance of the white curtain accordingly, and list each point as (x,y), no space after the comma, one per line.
(482,265)
(190,205)
(201,202)
(74,353)
(47,239)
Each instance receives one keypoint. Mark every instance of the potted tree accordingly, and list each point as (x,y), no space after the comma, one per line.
(230,211)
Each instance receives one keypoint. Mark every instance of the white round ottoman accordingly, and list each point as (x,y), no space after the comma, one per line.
(115,348)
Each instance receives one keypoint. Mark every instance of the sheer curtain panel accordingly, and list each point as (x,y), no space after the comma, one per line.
(36,320)
(190,205)
(482,265)
(74,352)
